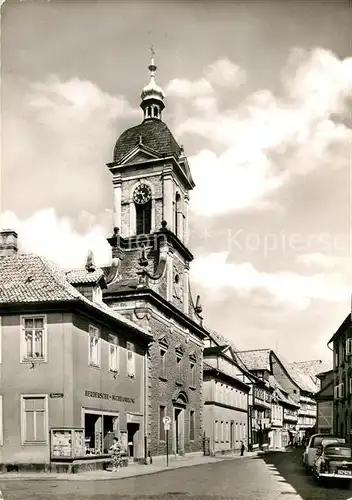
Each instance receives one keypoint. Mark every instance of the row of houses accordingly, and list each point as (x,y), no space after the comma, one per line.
(75,373)
(89,354)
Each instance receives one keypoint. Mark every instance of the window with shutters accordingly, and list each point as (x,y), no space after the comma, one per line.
(34,417)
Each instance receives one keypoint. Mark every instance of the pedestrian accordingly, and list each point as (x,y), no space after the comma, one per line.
(242,448)
(115,450)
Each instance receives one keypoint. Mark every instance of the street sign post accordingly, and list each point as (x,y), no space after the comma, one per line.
(167,422)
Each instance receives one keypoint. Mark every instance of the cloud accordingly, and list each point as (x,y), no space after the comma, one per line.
(271,138)
(187,89)
(295,291)
(241,188)
(45,234)
(223,72)
(65,131)
(319,259)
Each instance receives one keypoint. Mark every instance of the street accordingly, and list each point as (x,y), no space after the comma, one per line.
(273,476)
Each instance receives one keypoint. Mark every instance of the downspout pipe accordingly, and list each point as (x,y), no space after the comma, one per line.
(145,405)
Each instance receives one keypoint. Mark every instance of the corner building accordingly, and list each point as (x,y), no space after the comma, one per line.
(148,279)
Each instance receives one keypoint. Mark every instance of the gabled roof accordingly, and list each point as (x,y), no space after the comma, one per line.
(342,328)
(30,279)
(281,393)
(303,381)
(258,359)
(207,368)
(214,350)
(221,340)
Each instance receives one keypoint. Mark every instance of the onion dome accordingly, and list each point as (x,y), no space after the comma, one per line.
(152,96)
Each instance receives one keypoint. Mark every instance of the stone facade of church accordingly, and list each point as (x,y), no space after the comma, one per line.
(148,280)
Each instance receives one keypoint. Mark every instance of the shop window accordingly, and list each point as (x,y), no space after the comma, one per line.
(191,425)
(34,415)
(99,431)
(162,366)
(94,346)
(113,353)
(131,365)
(33,338)
(162,414)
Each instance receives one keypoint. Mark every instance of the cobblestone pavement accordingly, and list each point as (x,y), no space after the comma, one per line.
(272,476)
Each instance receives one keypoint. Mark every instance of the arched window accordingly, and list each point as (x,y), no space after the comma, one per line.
(155,112)
(143,217)
(177,210)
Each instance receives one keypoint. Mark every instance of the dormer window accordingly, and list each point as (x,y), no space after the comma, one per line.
(97,295)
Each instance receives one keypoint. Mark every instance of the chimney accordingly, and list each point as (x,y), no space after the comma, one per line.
(8,242)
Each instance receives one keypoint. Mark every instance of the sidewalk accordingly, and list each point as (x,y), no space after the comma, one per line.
(132,470)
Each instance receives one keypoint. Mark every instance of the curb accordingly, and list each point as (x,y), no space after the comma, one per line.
(79,477)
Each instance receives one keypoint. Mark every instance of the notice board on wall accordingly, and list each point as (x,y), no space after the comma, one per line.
(67,443)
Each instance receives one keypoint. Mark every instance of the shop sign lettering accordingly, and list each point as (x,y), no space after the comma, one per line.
(110,397)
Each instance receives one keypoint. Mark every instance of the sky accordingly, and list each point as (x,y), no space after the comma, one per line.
(258,94)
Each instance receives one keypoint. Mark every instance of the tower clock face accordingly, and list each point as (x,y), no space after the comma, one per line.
(142,194)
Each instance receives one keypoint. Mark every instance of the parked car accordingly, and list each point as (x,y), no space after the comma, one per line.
(333,461)
(315,441)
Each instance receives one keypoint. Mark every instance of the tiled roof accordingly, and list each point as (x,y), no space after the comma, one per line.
(29,279)
(311,368)
(221,340)
(78,276)
(256,359)
(155,135)
(303,381)
(260,360)
(280,391)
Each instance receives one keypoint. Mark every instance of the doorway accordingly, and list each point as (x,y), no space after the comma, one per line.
(132,439)
(179,435)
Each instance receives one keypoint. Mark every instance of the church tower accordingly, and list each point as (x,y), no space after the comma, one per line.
(148,281)
(151,181)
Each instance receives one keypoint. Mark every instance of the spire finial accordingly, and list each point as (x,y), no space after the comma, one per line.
(152,68)
(152,95)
